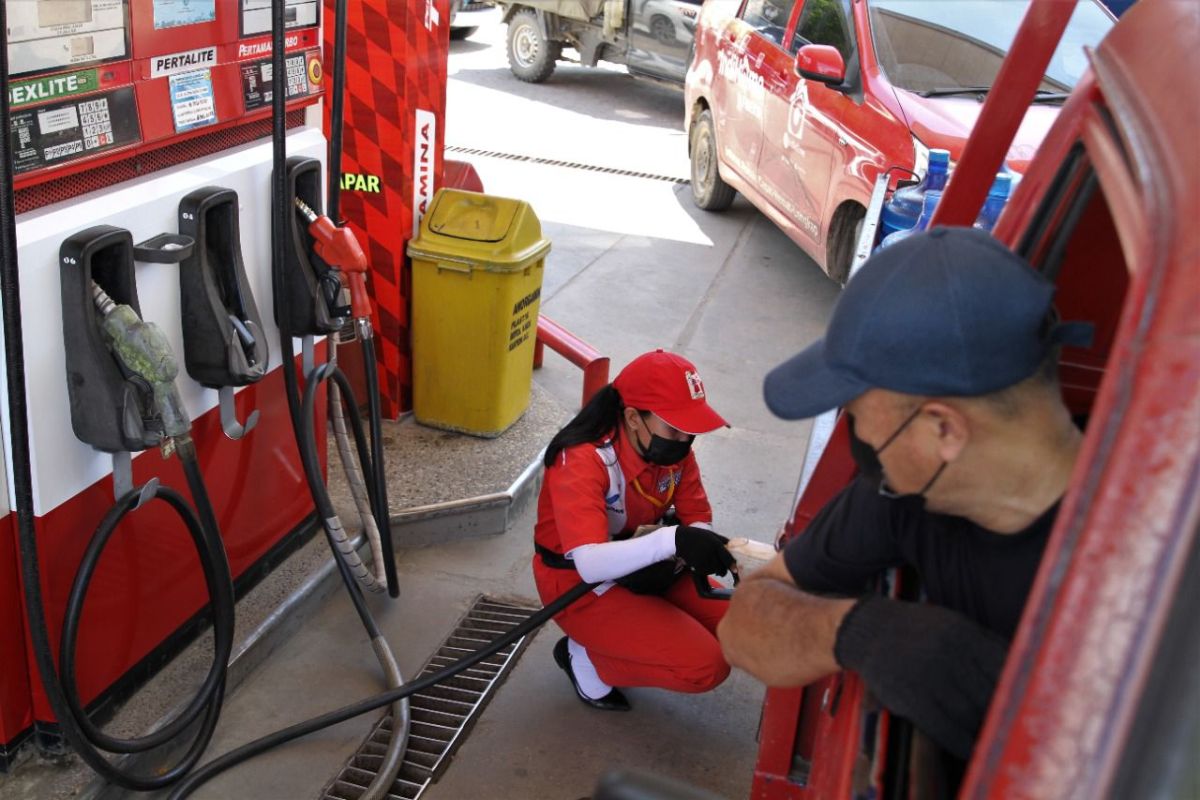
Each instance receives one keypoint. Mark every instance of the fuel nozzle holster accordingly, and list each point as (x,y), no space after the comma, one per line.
(223,339)
(113,408)
(309,298)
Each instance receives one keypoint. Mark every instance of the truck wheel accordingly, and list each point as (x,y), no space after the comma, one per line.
(531,56)
(708,190)
(662,29)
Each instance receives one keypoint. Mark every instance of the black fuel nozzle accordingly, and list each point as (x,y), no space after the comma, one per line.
(710,592)
(144,351)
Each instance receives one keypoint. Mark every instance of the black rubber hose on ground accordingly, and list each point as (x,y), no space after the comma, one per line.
(259,746)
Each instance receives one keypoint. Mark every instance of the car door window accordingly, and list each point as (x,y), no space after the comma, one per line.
(825,22)
(768,17)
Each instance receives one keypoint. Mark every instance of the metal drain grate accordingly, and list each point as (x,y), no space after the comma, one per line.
(443,713)
(572,164)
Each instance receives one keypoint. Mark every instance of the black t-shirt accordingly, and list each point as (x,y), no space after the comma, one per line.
(984,575)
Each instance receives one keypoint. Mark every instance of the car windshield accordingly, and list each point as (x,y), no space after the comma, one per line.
(940,47)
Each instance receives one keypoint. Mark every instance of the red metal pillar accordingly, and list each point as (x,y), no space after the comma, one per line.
(1006,105)
(395,109)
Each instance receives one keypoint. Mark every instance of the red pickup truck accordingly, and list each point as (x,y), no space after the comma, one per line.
(800,104)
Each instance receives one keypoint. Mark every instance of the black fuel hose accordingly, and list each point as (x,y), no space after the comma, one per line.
(376,478)
(217,577)
(61,689)
(328,719)
(201,525)
(309,458)
(337,102)
(378,471)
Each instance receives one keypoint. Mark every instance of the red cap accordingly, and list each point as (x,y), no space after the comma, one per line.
(668,386)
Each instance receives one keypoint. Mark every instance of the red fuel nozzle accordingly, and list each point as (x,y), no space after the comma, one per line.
(339,248)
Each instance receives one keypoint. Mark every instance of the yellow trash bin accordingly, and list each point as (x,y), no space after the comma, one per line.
(476,284)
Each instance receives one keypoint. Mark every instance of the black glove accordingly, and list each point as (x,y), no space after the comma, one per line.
(703,550)
(654,579)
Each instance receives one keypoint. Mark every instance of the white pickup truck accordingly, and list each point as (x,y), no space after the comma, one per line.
(652,38)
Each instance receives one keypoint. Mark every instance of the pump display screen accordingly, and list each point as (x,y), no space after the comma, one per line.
(175,13)
(48,35)
(65,131)
(256,15)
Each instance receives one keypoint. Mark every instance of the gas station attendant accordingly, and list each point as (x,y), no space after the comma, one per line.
(624,462)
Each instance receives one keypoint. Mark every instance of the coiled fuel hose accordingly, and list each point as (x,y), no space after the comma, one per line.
(142,350)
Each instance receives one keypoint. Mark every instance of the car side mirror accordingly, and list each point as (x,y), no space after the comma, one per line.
(821,63)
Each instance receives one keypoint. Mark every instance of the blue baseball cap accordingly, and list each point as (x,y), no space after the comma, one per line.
(950,312)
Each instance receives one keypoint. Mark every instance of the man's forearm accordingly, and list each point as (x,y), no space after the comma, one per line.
(779,634)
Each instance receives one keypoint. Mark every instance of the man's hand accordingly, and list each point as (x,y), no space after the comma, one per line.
(779,634)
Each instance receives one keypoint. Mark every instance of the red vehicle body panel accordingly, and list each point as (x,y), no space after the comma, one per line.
(1062,720)
(1062,715)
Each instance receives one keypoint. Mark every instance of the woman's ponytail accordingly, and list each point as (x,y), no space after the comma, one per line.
(594,421)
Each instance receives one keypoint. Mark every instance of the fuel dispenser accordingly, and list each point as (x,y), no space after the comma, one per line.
(105,96)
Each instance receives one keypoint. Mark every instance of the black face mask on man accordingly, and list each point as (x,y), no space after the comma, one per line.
(664,452)
(869,465)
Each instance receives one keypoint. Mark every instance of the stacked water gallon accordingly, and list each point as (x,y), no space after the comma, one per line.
(905,210)
(911,207)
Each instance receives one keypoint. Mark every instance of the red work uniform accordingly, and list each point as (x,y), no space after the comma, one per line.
(666,641)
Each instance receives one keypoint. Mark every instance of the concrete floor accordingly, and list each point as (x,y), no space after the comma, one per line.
(634,266)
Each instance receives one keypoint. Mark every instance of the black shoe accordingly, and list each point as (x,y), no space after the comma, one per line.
(613,701)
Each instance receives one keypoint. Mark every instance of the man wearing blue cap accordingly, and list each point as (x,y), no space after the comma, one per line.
(943,353)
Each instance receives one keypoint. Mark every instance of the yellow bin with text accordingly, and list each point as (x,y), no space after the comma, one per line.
(477,266)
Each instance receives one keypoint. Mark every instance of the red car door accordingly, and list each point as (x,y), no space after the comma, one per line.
(803,143)
(740,92)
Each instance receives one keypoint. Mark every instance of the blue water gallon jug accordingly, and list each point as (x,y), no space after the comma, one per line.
(902,211)
(997,198)
(928,205)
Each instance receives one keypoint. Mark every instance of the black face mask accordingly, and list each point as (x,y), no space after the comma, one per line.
(665,452)
(869,465)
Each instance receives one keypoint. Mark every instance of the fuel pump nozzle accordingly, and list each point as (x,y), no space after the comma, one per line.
(144,351)
(710,592)
(338,247)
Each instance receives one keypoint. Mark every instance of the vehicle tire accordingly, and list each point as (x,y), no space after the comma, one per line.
(844,233)
(708,190)
(458,34)
(531,57)
(662,29)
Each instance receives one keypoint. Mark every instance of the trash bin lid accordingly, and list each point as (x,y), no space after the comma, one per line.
(475,217)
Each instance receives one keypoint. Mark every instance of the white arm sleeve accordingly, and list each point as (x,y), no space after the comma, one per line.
(610,560)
